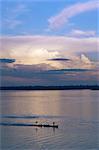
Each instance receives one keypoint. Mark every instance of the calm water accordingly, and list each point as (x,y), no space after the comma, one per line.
(76,112)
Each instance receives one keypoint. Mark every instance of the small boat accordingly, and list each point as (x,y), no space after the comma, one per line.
(53,126)
(25,124)
(45,125)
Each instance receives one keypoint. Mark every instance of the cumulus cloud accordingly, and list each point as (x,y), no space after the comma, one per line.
(85,59)
(30,50)
(63,17)
(37,50)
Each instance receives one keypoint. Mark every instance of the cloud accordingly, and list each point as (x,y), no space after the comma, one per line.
(63,17)
(37,50)
(58,59)
(7,63)
(28,75)
(94,56)
(85,59)
(6,60)
(11,20)
(80,33)
(68,70)
(12,23)
(34,68)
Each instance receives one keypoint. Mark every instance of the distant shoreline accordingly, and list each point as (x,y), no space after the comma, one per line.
(78,87)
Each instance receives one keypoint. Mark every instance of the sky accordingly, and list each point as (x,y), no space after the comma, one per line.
(49,42)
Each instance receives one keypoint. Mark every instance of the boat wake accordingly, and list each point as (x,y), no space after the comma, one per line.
(29,117)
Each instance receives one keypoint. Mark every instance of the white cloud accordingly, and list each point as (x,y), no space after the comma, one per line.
(12,23)
(11,20)
(63,17)
(80,33)
(38,49)
(85,59)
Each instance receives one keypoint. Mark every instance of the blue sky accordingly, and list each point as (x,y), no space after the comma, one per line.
(36,31)
(31,17)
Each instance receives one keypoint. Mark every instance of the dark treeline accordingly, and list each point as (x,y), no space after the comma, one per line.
(74,87)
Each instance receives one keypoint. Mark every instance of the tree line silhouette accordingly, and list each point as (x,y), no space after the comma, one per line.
(67,87)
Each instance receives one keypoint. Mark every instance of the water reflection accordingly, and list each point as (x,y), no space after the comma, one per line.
(78,104)
(76,113)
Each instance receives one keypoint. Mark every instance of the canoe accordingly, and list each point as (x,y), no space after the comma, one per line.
(25,124)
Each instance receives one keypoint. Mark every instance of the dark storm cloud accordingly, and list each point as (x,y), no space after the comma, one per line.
(6,60)
(30,71)
(58,59)
(69,70)
(33,75)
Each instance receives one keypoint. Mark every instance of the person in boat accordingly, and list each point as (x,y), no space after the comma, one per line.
(36,122)
(53,123)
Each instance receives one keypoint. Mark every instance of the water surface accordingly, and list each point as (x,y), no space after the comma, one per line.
(75,111)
